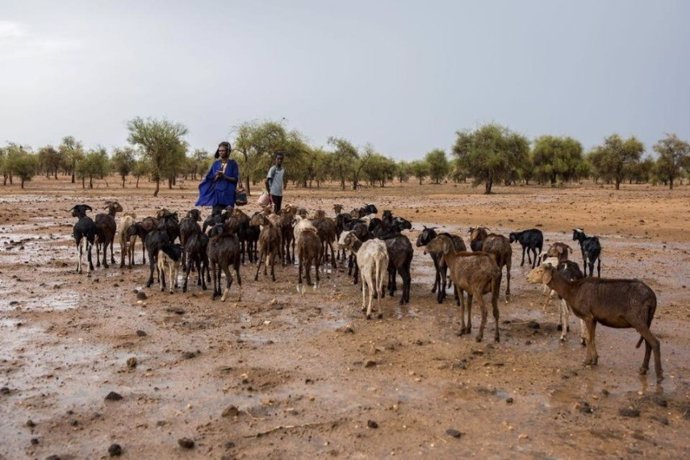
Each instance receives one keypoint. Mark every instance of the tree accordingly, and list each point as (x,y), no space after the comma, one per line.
(50,160)
(71,152)
(490,153)
(556,158)
(200,162)
(139,170)
(403,171)
(95,164)
(616,157)
(419,169)
(257,143)
(123,162)
(438,165)
(162,145)
(344,159)
(22,164)
(674,155)
(379,169)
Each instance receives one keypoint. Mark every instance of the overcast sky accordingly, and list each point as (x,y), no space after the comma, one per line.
(401,75)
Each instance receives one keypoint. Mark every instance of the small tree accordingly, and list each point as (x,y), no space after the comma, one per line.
(438,165)
(674,155)
(403,171)
(71,152)
(162,146)
(614,160)
(556,158)
(123,162)
(139,170)
(50,160)
(420,170)
(24,166)
(490,153)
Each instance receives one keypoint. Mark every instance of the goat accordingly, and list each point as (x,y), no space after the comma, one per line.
(571,271)
(84,231)
(188,226)
(424,238)
(618,303)
(530,240)
(126,252)
(169,259)
(105,232)
(309,251)
(169,222)
(140,229)
(475,273)
(286,223)
(155,240)
(495,244)
(326,230)
(372,259)
(269,244)
(300,224)
(196,247)
(559,250)
(400,254)
(591,251)
(362,233)
(224,251)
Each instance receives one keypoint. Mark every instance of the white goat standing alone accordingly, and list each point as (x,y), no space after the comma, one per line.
(169,261)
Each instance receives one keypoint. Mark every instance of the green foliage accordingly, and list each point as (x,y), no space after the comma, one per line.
(491,153)
(18,162)
(615,159)
(674,156)
(379,169)
(162,145)
(199,163)
(420,170)
(403,171)
(123,162)
(257,144)
(140,169)
(71,152)
(344,159)
(556,159)
(438,165)
(49,160)
(95,165)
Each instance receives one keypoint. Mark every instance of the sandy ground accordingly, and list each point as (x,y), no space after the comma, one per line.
(279,375)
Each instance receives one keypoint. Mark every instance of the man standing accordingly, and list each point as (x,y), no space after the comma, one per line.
(274,182)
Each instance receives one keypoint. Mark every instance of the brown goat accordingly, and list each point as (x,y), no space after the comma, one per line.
(309,253)
(326,229)
(559,250)
(618,303)
(475,273)
(498,245)
(270,242)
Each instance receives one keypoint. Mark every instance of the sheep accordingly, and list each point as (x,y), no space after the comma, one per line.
(155,240)
(140,229)
(169,259)
(195,249)
(269,244)
(572,271)
(372,259)
(591,250)
(559,250)
(106,228)
(424,238)
(224,251)
(309,251)
(495,244)
(188,226)
(618,303)
(530,240)
(84,231)
(126,252)
(475,273)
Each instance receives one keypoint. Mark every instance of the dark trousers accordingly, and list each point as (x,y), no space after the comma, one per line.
(218,209)
(277,201)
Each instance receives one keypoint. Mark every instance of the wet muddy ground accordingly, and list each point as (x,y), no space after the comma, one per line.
(280,375)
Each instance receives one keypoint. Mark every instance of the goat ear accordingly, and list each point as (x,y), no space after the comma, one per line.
(88,208)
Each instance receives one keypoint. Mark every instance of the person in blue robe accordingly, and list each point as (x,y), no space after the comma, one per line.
(217,189)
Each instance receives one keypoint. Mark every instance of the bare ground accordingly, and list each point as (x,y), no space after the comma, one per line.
(279,375)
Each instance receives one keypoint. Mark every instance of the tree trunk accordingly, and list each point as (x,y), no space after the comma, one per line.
(83,182)
(487,186)
(158,186)
(670,184)
(137,184)
(618,184)
(55,173)
(90,181)
(22,182)
(123,181)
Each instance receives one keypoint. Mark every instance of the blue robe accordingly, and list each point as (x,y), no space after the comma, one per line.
(219,192)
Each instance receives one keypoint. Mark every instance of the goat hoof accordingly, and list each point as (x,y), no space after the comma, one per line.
(659,378)
(643,371)
(497,339)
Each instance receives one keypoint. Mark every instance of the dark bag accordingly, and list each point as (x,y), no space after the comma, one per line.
(240,196)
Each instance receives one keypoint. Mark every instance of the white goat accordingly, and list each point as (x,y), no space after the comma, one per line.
(301,223)
(126,253)
(169,261)
(372,259)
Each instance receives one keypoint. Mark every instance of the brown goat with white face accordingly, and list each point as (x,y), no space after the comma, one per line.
(618,303)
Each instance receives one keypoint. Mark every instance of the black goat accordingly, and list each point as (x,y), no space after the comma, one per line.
(591,251)
(440,280)
(84,231)
(196,246)
(169,222)
(105,232)
(400,254)
(155,240)
(188,226)
(141,229)
(224,251)
(530,240)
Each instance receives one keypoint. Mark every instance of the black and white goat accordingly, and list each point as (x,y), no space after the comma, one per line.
(169,260)
(591,251)
(530,240)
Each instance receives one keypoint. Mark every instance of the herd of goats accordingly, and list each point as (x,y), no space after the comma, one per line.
(377,250)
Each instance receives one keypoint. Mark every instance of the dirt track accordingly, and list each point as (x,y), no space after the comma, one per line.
(280,375)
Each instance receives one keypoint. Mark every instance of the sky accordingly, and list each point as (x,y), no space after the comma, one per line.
(402,76)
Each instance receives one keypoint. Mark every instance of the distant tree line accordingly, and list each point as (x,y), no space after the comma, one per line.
(489,155)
